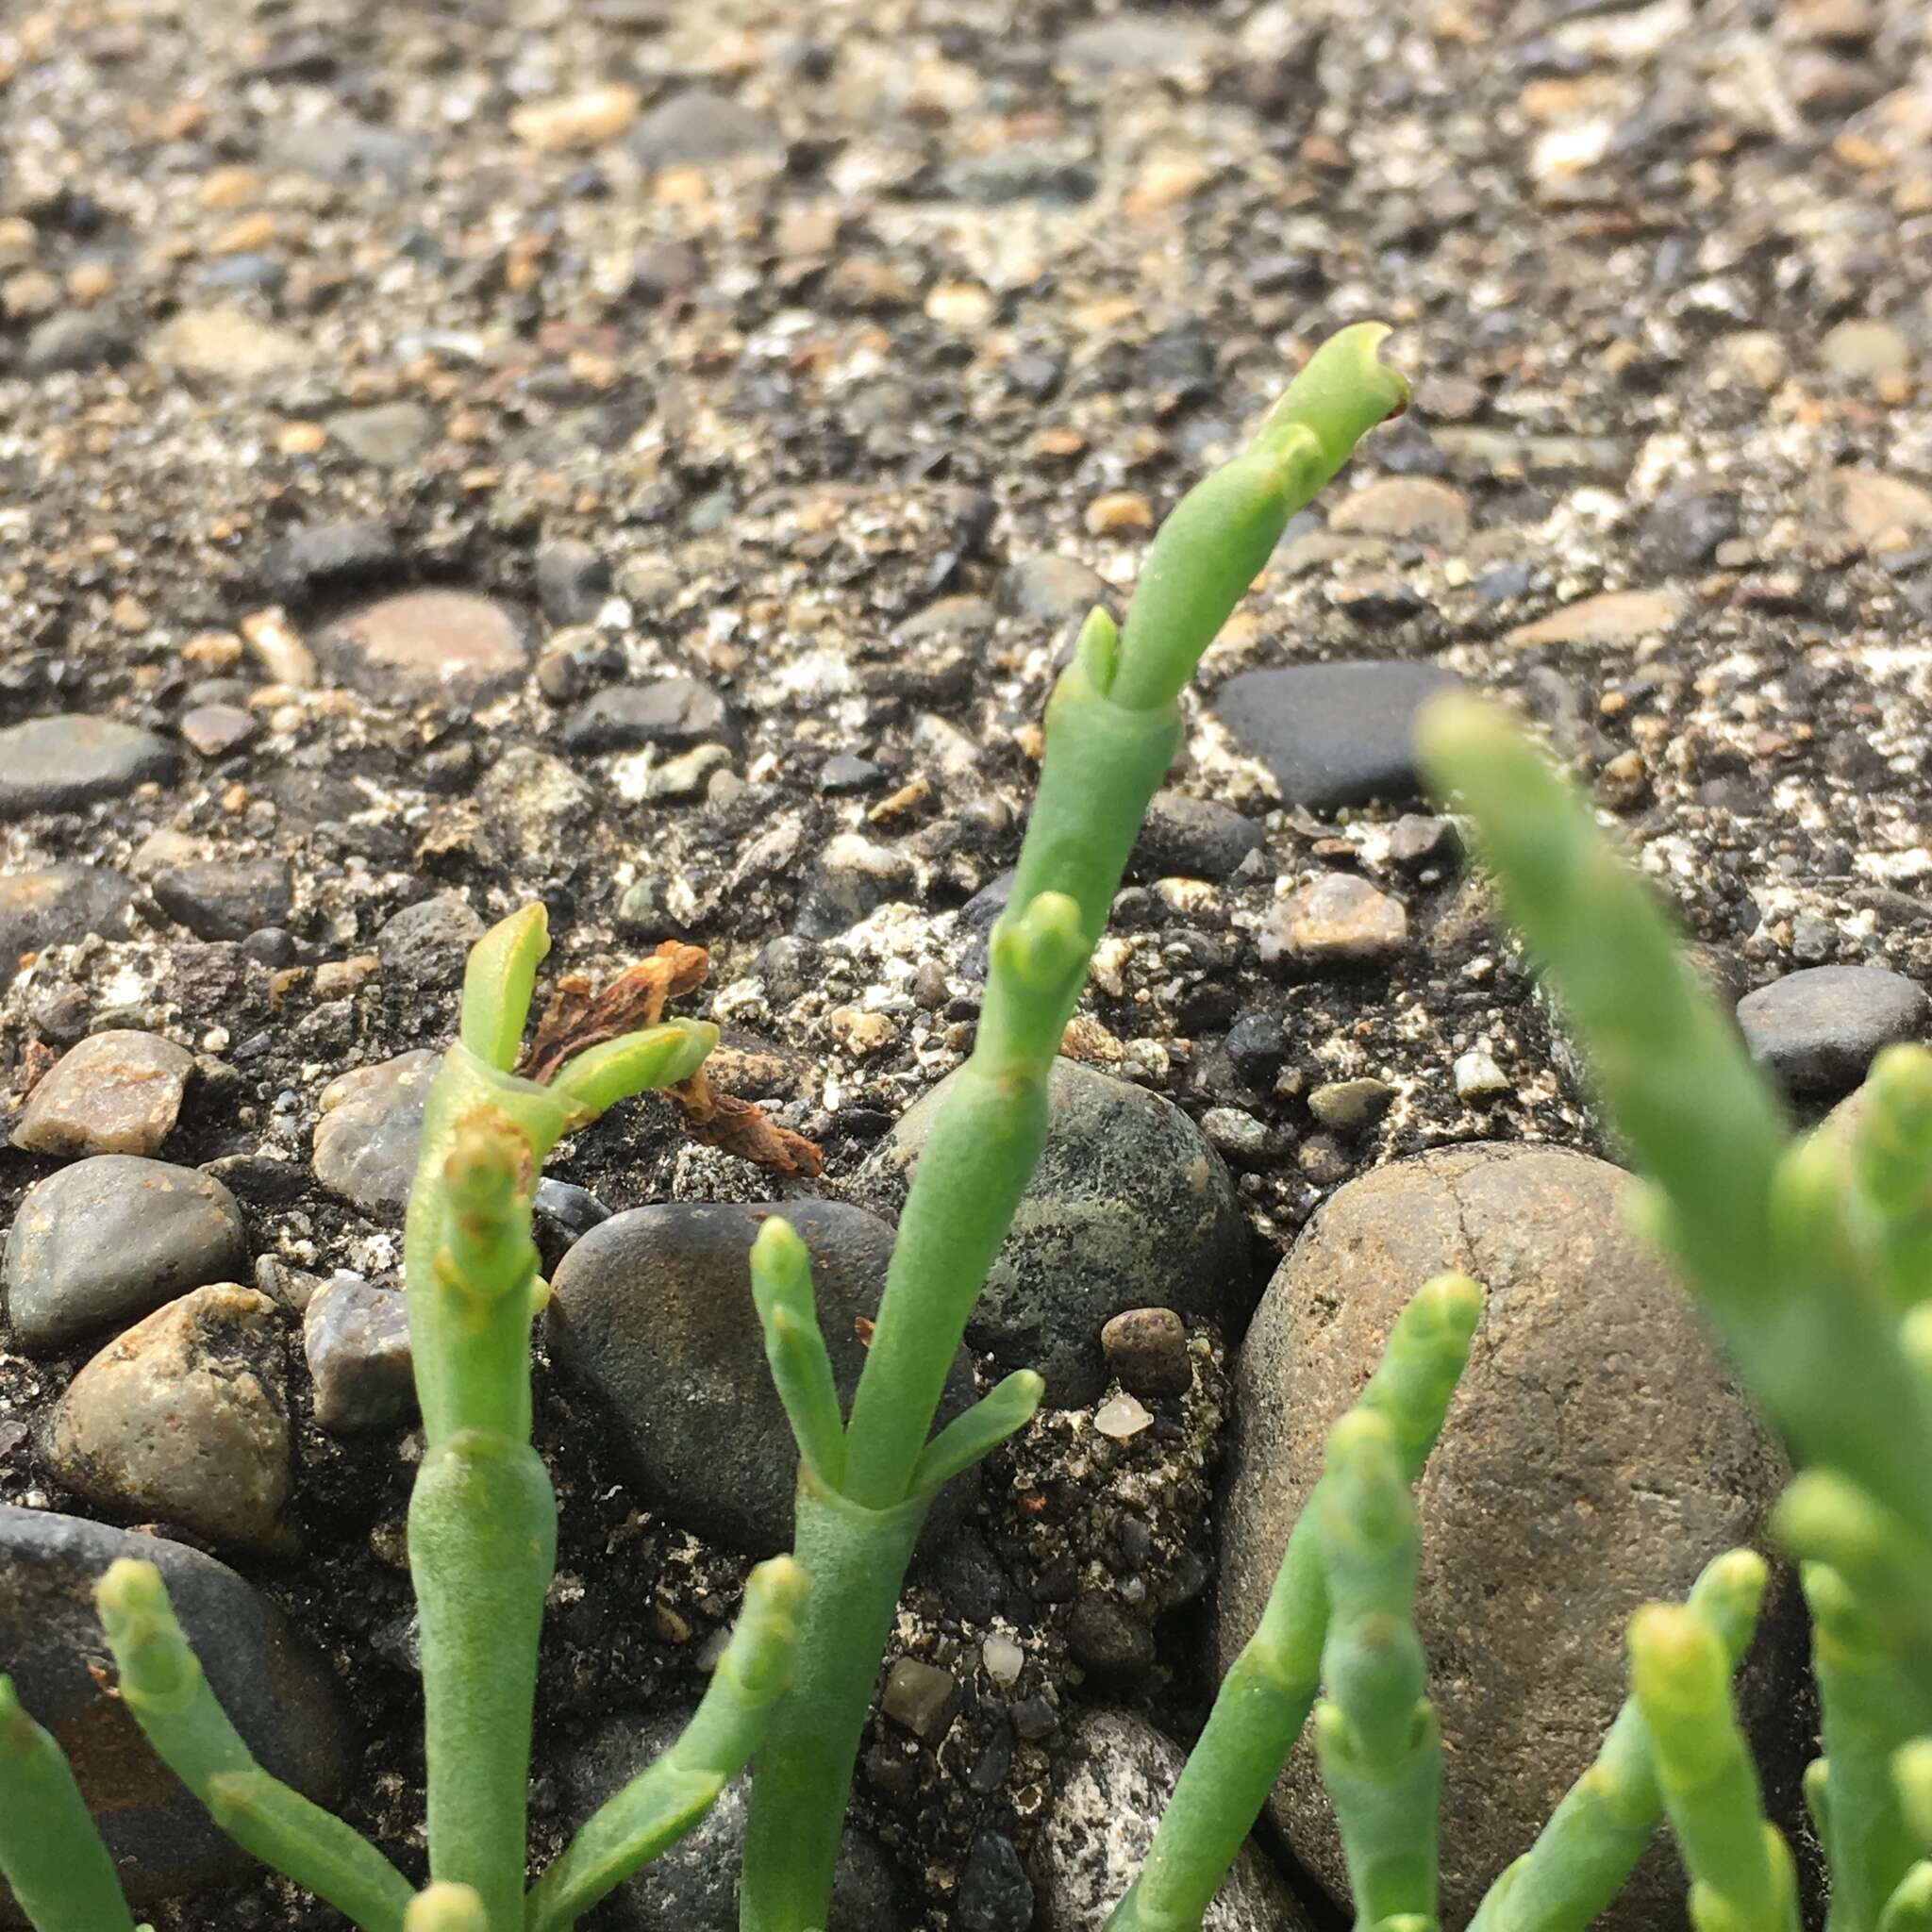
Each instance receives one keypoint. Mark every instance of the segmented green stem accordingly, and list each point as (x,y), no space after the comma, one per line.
(1594,1837)
(162,1685)
(1266,1697)
(1742,1877)
(51,1852)
(669,1796)
(1112,728)
(1377,1735)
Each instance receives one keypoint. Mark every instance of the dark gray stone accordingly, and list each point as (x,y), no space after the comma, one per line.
(1333,734)
(110,1239)
(62,762)
(54,906)
(1819,1028)
(698,126)
(653,1311)
(1109,1790)
(274,1689)
(995,1894)
(854,877)
(429,943)
(1683,528)
(1106,1636)
(673,713)
(1595,1457)
(330,554)
(77,339)
(1129,1208)
(561,1216)
(572,581)
(356,1339)
(693,1886)
(1192,838)
(371,1131)
(226,899)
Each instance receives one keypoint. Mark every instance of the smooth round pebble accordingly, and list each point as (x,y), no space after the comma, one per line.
(1595,1457)
(1129,1208)
(185,1418)
(371,1131)
(277,1693)
(110,1239)
(429,943)
(113,1092)
(356,1337)
(1146,1351)
(1818,1029)
(63,762)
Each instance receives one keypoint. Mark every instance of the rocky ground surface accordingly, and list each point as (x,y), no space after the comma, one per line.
(649,456)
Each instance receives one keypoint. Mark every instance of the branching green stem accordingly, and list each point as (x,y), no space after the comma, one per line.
(1112,728)
(1266,1697)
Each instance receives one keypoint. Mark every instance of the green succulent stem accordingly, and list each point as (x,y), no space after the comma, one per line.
(1112,728)
(1606,1821)
(1749,1216)
(1741,1875)
(1265,1698)
(51,1854)
(662,1803)
(163,1688)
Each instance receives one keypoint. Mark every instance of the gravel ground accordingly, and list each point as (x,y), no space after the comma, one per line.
(833,360)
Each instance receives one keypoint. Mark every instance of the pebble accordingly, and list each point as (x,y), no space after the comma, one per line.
(386,436)
(370,1129)
(575,121)
(356,1340)
(113,1092)
(451,646)
(429,943)
(1129,1208)
(673,713)
(1093,1843)
(1337,919)
(573,582)
(214,730)
(274,1689)
(1818,1028)
(920,1696)
(1416,841)
(854,877)
(1683,528)
(995,1894)
(1351,1106)
(185,1418)
(1192,838)
(76,339)
(1595,1456)
(311,554)
(1122,1417)
(1615,618)
(561,1216)
(1240,1137)
(652,1312)
(56,906)
(1004,1660)
(1478,1077)
(224,899)
(110,1239)
(698,127)
(228,343)
(693,1886)
(1417,508)
(1146,1352)
(1135,42)
(1107,1638)
(1046,588)
(1864,349)
(343,148)
(62,762)
(1333,734)
(1872,504)
(531,798)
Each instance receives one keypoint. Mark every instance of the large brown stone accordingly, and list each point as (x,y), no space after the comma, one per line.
(1595,1458)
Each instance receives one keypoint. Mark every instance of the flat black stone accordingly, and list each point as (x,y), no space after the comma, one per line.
(59,763)
(1333,734)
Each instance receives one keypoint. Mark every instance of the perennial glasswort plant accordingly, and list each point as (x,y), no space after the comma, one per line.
(1814,1259)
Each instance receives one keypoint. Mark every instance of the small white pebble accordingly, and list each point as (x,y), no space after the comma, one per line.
(1121,1419)
(1003,1659)
(1478,1076)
